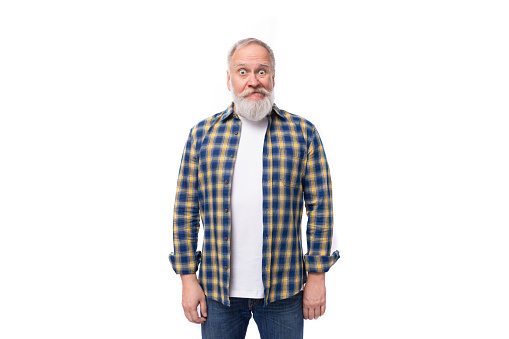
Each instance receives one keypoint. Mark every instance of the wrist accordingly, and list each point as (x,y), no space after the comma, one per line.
(318,277)
(188,278)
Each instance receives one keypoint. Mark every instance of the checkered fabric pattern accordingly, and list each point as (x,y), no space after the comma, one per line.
(295,171)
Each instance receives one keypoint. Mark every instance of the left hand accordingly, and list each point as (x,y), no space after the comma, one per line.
(313,302)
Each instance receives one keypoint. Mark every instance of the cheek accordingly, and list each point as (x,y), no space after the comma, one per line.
(239,87)
(267,84)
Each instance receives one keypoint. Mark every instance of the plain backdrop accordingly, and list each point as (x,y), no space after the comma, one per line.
(410,99)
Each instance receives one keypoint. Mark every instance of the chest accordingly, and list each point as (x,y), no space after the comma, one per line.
(284,154)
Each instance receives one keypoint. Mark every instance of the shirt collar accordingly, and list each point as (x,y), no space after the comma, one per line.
(230,112)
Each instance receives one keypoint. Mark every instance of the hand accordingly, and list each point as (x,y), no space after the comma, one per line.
(313,302)
(192,296)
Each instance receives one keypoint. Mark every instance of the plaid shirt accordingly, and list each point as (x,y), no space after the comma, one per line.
(294,170)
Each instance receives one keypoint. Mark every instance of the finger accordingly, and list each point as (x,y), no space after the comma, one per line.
(317,313)
(311,314)
(322,310)
(195,318)
(189,317)
(305,312)
(192,316)
(203,307)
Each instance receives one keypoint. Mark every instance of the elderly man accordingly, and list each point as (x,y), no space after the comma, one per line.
(247,171)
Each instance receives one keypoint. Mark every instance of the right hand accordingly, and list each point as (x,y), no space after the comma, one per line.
(192,296)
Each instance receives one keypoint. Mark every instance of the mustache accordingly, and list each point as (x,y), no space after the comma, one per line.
(250,91)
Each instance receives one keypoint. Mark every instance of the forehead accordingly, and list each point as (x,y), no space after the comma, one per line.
(251,54)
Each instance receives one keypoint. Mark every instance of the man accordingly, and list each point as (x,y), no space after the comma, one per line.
(245,171)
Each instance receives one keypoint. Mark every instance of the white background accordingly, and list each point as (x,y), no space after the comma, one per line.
(410,99)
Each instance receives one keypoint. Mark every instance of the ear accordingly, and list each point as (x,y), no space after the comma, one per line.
(228,80)
(274,79)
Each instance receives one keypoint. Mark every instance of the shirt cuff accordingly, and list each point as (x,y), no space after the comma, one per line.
(320,263)
(184,263)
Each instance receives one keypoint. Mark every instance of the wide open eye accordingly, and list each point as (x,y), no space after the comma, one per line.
(262,72)
(242,72)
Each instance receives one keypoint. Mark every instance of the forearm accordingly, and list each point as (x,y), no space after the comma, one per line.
(319,259)
(188,278)
(316,277)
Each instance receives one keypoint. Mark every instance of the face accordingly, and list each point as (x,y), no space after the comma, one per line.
(250,73)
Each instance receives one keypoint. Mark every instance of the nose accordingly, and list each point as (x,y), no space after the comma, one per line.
(253,81)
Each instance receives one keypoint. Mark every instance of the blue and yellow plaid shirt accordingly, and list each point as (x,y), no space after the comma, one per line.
(295,171)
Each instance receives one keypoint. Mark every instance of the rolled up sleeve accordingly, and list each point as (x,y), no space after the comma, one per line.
(318,200)
(186,216)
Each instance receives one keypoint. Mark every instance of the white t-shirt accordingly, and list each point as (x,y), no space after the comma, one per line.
(246,243)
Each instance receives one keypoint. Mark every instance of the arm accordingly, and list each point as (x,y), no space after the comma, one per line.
(318,198)
(186,224)
(186,215)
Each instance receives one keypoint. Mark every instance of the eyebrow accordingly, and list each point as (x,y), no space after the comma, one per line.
(244,65)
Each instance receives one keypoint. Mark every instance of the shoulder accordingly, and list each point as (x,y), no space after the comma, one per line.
(199,129)
(297,122)
(207,122)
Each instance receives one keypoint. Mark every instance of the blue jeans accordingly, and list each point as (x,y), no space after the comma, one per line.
(280,319)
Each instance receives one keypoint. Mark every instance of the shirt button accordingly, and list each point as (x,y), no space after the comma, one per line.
(225,238)
(236,132)
(226,267)
(226,210)
(226,182)
(231,155)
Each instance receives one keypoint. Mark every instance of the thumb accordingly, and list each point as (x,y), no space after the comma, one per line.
(203,306)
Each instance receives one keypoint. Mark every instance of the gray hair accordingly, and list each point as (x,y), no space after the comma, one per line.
(244,42)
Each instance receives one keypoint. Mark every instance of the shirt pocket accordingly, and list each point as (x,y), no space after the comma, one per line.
(292,163)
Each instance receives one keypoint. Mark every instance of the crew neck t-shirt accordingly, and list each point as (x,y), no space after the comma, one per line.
(246,243)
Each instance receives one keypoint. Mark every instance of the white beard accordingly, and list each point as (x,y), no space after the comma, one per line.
(253,110)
